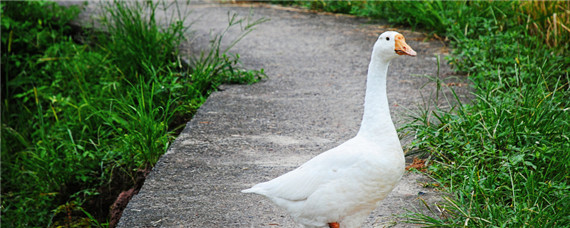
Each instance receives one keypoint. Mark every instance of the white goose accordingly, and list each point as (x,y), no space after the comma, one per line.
(340,187)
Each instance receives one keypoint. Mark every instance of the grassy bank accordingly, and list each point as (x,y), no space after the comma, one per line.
(86,113)
(504,157)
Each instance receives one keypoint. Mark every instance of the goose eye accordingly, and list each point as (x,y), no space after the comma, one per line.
(387,38)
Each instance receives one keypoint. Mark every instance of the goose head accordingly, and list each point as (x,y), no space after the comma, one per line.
(391,45)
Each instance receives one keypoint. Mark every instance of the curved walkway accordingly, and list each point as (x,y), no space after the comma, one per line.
(311,102)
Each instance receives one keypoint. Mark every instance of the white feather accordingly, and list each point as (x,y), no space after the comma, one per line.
(345,184)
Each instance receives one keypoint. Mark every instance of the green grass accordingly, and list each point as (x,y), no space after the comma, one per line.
(80,120)
(504,157)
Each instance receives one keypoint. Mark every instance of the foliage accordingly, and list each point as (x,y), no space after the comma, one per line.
(504,157)
(76,116)
(548,20)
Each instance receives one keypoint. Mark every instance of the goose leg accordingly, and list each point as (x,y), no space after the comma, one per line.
(334,225)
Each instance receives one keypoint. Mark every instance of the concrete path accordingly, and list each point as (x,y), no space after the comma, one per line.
(311,102)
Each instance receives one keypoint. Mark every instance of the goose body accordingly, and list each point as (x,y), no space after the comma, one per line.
(341,186)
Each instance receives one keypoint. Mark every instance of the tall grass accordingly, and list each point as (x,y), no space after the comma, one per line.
(504,157)
(548,20)
(140,36)
(79,120)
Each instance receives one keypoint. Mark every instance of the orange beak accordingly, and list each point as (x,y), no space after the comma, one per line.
(402,48)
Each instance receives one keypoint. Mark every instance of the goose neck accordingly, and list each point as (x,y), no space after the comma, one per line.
(376,120)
